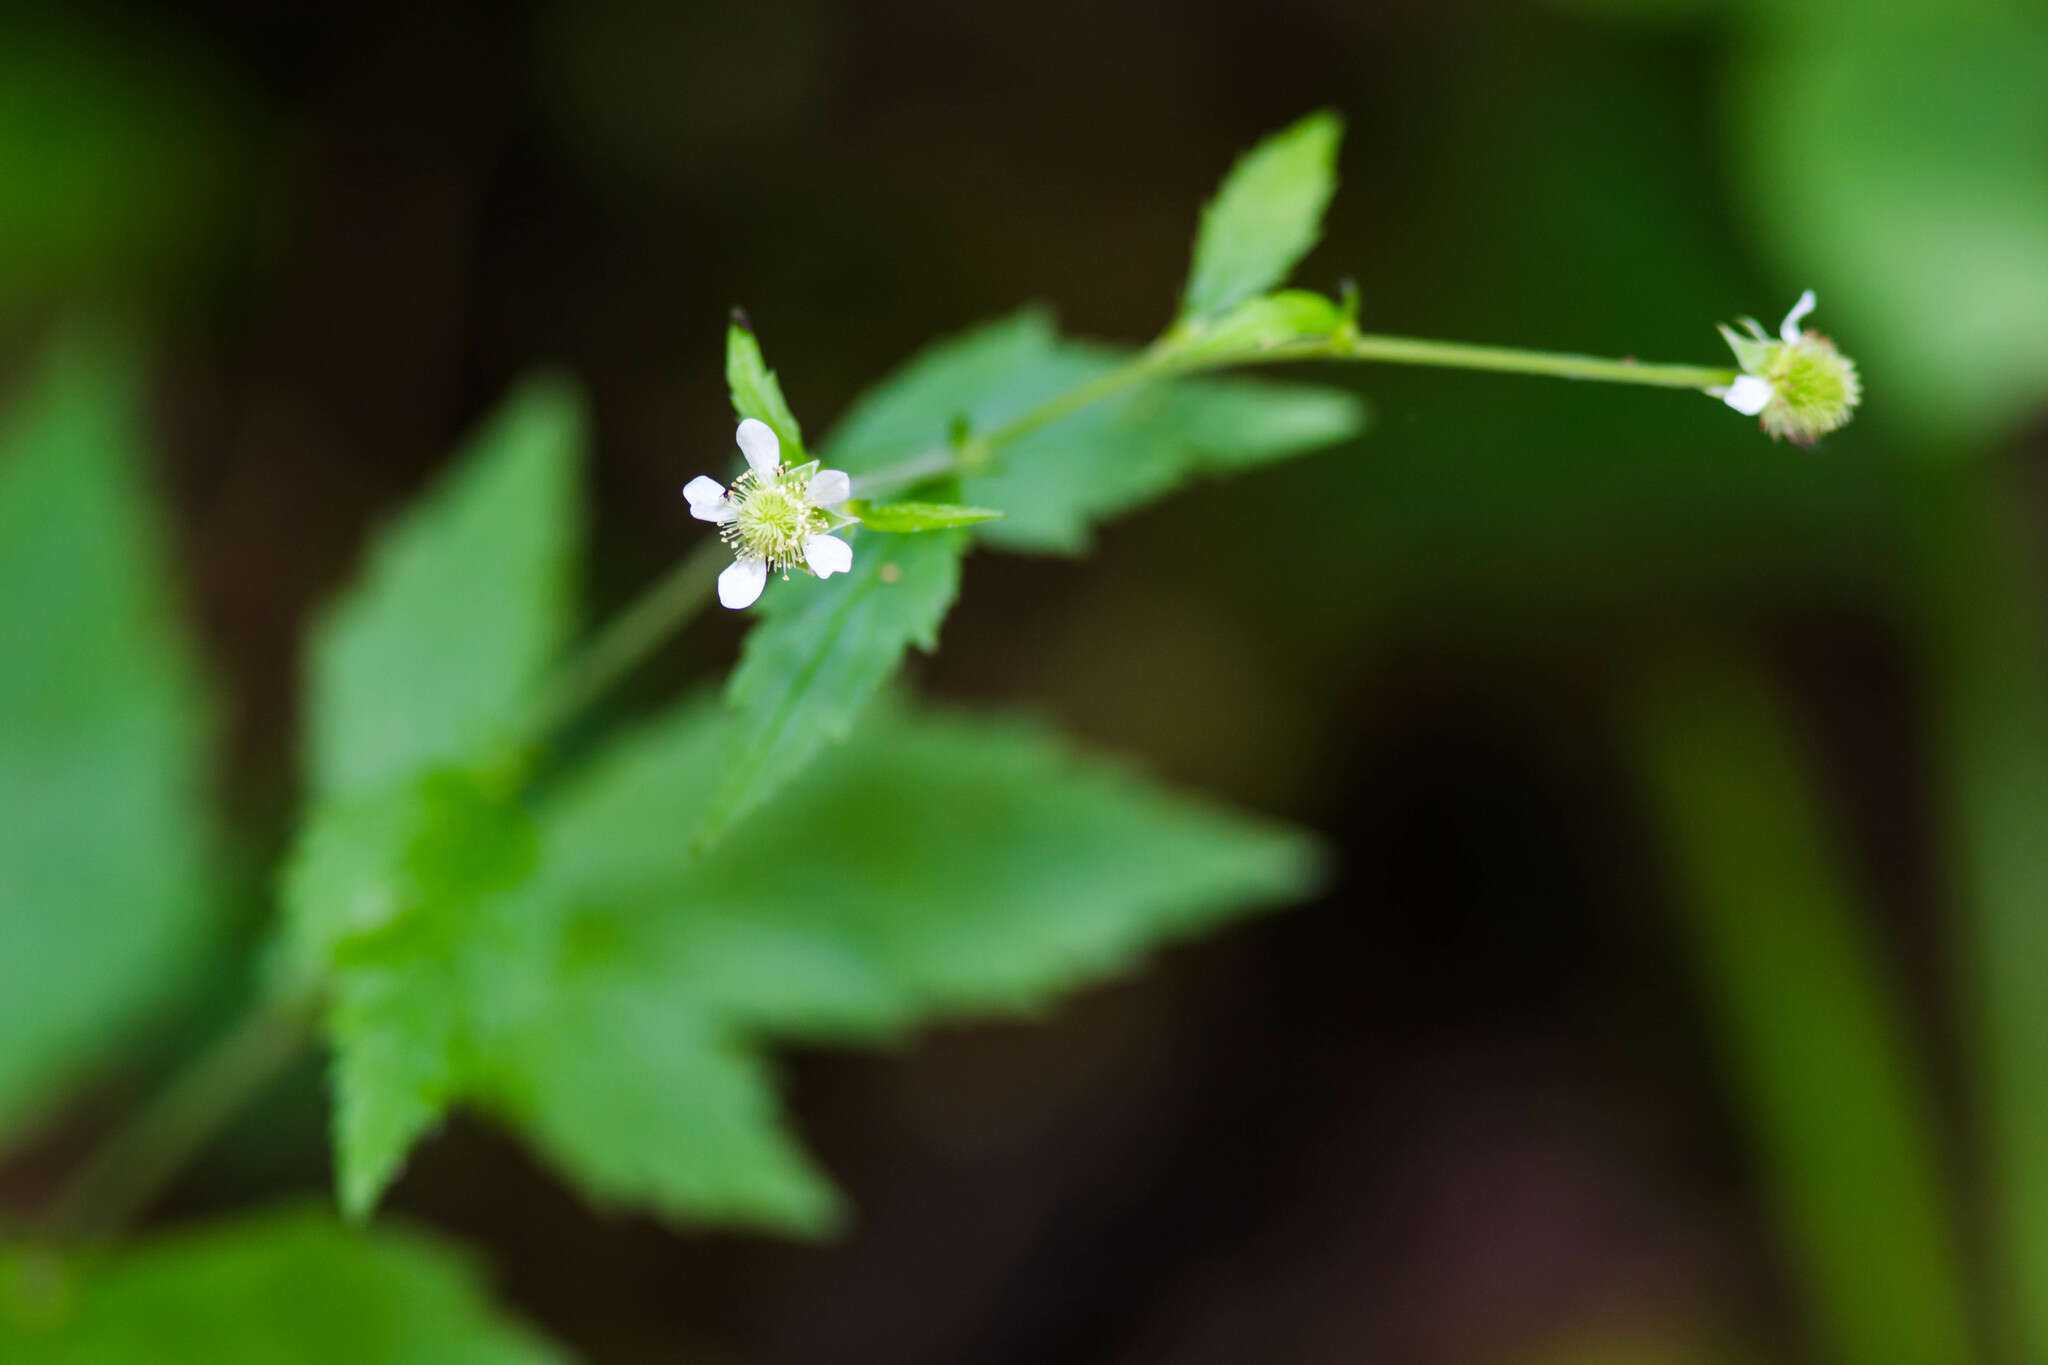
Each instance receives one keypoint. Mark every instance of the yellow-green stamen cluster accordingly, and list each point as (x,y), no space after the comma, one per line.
(774,517)
(1814,389)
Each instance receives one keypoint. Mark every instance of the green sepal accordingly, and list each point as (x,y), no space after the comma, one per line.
(1753,355)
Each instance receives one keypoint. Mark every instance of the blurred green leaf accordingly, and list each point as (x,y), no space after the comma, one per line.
(1978,576)
(613,1007)
(818,656)
(901,518)
(1266,216)
(287,1289)
(1894,160)
(104,820)
(1259,324)
(757,393)
(380,897)
(461,604)
(934,864)
(1809,1024)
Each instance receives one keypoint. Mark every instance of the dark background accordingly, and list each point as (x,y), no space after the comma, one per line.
(1463,1109)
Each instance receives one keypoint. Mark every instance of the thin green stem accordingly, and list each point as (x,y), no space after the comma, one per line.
(132,1166)
(1162,361)
(635,633)
(1510,360)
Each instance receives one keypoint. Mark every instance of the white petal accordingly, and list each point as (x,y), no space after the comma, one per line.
(758,444)
(1748,395)
(1790,331)
(741,584)
(830,487)
(828,555)
(707,500)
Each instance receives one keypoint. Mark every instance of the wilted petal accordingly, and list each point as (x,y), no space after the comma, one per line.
(1790,331)
(828,555)
(1748,395)
(830,487)
(758,443)
(740,585)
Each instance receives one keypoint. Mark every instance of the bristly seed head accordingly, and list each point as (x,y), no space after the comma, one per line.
(1814,389)
(1796,383)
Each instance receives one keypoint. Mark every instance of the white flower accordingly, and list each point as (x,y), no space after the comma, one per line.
(774,519)
(1798,382)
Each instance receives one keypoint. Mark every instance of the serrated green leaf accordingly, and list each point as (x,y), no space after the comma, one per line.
(287,1289)
(1266,216)
(1056,485)
(901,518)
(463,602)
(103,735)
(757,393)
(931,866)
(1259,324)
(614,1008)
(1107,459)
(934,864)
(382,898)
(819,655)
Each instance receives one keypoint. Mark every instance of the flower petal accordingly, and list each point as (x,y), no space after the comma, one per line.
(1748,395)
(1790,331)
(759,444)
(828,555)
(830,487)
(706,497)
(740,585)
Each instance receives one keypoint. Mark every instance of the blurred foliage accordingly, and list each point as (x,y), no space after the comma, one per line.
(1812,1029)
(123,161)
(284,1287)
(107,836)
(1589,174)
(460,609)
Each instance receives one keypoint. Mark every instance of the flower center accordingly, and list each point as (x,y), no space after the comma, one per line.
(1815,388)
(775,518)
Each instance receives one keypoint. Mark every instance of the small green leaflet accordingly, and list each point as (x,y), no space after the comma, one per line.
(615,1007)
(283,1289)
(757,393)
(1266,216)
(898,518)
(103,736)
(463,602)
(1260,324)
